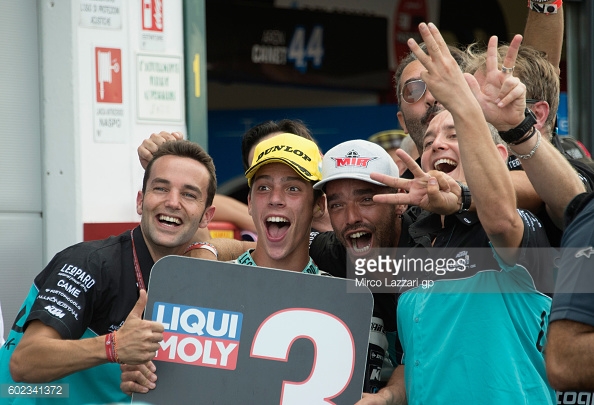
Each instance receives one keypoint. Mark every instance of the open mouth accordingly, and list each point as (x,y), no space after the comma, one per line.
(277,227)
(445,165)
(167,220)
(360,242)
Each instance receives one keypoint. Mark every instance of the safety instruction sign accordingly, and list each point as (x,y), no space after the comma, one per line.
(110,117)
(151,36)
(100,13)
(160,95)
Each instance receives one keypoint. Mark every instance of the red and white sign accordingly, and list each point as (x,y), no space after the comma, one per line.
(111,122)
(152,15)
(108,75)
(407,17)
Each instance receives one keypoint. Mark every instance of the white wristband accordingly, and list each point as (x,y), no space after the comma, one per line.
(203,245)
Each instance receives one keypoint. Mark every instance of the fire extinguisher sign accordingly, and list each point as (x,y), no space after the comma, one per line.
(109,110)
(152,15)
(152,37)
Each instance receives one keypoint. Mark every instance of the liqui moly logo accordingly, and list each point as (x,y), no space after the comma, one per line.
(198,336)
(353,159)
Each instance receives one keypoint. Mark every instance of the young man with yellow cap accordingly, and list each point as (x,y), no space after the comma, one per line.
(282,203)
(281,178)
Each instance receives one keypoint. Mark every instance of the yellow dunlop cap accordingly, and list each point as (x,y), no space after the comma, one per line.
(300,153)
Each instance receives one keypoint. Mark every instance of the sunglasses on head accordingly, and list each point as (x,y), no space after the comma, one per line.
(413,91)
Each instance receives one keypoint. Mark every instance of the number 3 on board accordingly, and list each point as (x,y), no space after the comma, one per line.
(334,359)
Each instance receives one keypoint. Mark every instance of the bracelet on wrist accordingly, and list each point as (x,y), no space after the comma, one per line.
(110,347)
(115,348)
(203,245)
(529,154)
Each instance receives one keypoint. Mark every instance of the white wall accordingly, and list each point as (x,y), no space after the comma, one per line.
(110,172)
(21,224)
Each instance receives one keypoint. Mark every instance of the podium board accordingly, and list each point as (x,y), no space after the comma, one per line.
(237,334)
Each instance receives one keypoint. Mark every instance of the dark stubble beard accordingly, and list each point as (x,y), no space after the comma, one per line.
(385,235)
(417,127)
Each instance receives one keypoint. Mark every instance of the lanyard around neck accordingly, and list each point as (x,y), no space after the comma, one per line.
(139,280)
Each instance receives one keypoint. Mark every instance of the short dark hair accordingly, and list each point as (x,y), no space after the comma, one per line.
(256,133)
(184,148)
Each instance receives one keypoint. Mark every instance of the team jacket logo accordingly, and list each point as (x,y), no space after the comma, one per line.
(198,336)
(352,159)
(585,252)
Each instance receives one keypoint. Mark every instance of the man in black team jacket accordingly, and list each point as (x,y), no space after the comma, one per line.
(82,315)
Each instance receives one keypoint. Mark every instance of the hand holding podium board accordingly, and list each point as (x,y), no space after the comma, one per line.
(237,334)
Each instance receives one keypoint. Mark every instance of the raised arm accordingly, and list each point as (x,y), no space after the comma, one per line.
(543,164)
(483,162)
(545,33)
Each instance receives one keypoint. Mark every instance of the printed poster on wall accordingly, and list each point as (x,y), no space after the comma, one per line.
(110,116)
(160,92)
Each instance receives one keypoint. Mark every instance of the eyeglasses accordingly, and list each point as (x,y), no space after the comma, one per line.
(413,91)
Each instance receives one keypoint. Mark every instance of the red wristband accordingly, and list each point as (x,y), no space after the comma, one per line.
(110,347)
(203,245)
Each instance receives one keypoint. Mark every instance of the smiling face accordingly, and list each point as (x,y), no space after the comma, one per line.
(281,203)
(440,147)
(359,223)
(415,117)
(173,204)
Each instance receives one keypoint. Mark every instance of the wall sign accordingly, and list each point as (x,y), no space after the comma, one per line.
(160,95)
(291,46)
(151,35)
(110,115)
(100,13)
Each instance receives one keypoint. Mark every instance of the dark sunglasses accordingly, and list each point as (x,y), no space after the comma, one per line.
(413,91)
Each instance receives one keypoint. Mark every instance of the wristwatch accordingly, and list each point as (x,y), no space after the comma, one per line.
(466,197)
(515,134)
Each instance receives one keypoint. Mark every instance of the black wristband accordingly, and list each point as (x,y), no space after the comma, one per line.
(515,134)
(524,139)
(466,197)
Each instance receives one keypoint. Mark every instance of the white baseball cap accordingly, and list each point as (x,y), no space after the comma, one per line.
(356,159)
